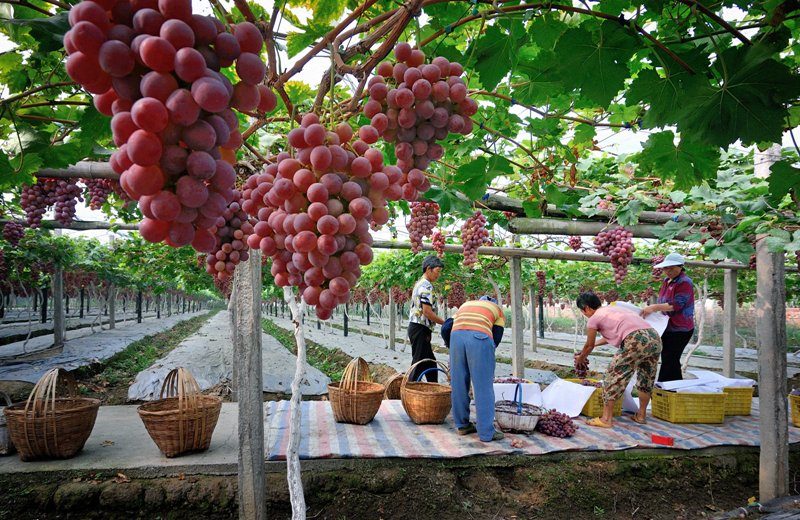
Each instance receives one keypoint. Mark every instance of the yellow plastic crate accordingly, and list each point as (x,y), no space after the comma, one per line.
(738,400)
(685,408)
(794,403)
(594,406)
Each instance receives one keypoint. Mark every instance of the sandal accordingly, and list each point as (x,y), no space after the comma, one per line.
(598,423)
(636,419)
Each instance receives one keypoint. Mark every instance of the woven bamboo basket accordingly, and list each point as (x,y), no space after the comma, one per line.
(738,401)
(516,415)
(50,427)
(6,446)
(794,404)
(356,398)
(393,385)
(182,420)
(425,403)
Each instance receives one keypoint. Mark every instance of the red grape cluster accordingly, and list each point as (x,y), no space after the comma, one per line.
(509,215)
(314,211)
(473,235)
(510,380)
(589,382)
(232,230)
(98,191)
(413,105)
(581,369)
(36,199)
(541,280)
(752,262)
(456,297)
(657,273)
(65,198)
(154,66)
(400,296)
(669,207)
(556,424)
(715,229)
(13,233)
(606,203)
(437,239)
(424,217)
(617,245)
(575,243)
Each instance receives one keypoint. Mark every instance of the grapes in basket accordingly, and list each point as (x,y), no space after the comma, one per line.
(510,380)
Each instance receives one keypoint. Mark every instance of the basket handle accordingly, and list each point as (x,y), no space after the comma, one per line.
(441,365)
(6,398)
(181,384)
(357,370)
(432,369)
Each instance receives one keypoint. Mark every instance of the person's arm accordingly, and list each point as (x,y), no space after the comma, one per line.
(497,334)
(591,335)
(427,311)
(656,307)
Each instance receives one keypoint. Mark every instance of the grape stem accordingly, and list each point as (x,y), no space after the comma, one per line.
(35,90)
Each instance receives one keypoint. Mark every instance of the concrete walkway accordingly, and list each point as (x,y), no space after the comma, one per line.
(91,348)
(10,332)
(208,355)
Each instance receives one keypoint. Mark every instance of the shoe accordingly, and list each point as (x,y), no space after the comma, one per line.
(466,430)
(496,437)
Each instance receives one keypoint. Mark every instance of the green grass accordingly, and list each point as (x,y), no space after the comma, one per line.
(330,362)
(109,382)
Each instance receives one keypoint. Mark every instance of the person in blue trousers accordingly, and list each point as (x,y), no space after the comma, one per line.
(476,331)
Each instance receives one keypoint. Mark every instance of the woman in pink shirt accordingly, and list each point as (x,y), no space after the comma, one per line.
(639,351)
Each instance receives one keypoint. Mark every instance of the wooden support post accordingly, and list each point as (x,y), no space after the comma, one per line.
(532,317)
(35,300)
(344,315)
(368,310)
(139,306)
(245,324)
(158,306)
(392,319)
(112,306)
(83,296)
(58,306)
(773,478)
(44,305)
(518,320)
(729,325)
(66,304)
(541,316)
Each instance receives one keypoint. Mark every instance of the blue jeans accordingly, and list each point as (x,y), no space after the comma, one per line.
(472,358)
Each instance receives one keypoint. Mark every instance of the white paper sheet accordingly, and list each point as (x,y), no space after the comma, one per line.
(658,320)
(720,381)
(566,397)
(531,393)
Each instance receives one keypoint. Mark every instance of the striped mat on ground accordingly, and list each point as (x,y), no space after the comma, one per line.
(392,434)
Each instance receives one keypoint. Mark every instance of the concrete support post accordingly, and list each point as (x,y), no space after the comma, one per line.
(112,306)
(344,315)
(532,317)
(83,296)
(541,316)
(392,319)
(518,320)
(729,324)
(44,305)
(58,306)
(773,479)
(245,307)
(139,306)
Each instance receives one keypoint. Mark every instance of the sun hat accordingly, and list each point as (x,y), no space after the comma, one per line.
(487,298)
(671,260)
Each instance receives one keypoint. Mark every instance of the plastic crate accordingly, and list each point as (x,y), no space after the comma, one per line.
(794,404)
(739,400)
(686,408)
(594,406)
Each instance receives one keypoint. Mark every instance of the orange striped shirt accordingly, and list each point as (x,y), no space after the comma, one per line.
(478,315)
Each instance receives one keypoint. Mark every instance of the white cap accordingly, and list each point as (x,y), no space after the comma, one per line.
(670,260)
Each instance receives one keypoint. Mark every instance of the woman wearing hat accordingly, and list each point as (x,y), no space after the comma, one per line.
(477,329)
(676,300)
(423,318)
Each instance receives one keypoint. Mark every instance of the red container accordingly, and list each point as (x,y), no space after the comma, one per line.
(662,439)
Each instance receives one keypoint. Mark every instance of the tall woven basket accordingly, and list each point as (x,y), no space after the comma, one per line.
(425,403)
(183,419)
(393,386)
(356,398)
(50,427)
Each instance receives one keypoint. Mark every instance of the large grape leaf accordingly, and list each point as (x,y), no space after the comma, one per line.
(783,177)
(48,32)
(495,52)
(596,62)
(298,41)
(687,163)
(748,105)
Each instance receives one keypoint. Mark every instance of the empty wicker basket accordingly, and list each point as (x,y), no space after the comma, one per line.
(425,403)
(50,427)
(183,419)
(393,385)
(356,398)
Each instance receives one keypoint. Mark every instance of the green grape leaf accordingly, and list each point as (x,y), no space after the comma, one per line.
(47,31)
(783,177)
(737,248)
(327,10)
(594,62)
(495,54)
(669,230)
(686,164)
(473,177)
(750,105)
(296,42)
(532,208)
(628,213)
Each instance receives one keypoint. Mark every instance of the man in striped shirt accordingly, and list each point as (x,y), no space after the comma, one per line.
(477,330)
